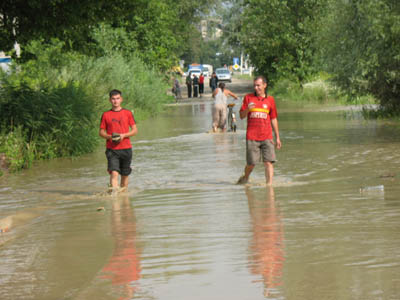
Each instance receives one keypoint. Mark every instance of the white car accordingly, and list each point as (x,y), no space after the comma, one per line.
(223,74)
(5,63)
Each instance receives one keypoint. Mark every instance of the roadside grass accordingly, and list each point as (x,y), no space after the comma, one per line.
(17,152)
(242,76)
(318,91)
(381,113)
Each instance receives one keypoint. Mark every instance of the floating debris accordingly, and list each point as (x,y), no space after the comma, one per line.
(101,208)
(373,189)
(389,175)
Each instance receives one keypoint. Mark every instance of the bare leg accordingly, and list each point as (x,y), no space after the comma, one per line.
(247,171)
(269,172)
(124,181)
(114,179)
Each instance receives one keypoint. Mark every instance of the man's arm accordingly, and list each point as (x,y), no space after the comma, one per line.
(274,123)
(103,133)
(232,94)
(243,113)
(130,133)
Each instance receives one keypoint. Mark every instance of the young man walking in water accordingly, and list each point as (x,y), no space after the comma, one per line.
(117,126)
(261,114)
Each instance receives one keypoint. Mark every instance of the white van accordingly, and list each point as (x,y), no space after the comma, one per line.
(205,71)
(210,69)
(196,72)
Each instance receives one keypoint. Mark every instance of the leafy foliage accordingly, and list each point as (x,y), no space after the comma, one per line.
(59,121)
(359,43)
(18,153)
(68,20)
(56,100)
(278,37)
(157,31)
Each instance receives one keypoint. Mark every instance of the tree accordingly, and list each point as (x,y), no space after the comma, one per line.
(157,30)
(360,45)
(278,36)
(68,20)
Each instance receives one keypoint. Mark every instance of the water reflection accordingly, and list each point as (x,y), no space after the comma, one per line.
(198,108)
(189,234)
(123,268)
(267,251)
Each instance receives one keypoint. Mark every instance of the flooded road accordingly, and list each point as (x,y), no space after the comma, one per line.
(329,228)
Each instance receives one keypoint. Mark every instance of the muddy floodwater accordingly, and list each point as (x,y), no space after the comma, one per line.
(329,228)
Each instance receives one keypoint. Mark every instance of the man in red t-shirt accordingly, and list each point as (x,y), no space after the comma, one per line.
(117,126)
(261,114)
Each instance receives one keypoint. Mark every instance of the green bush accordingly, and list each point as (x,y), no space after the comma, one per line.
(318,91)
(286,89)
(143,89)
(359,45)
(19,154)
(56,100)
(59,121)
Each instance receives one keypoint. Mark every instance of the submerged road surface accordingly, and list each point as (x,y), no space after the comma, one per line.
(327,229)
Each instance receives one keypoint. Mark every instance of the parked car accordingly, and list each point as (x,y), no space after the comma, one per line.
(5,63)
(223,74)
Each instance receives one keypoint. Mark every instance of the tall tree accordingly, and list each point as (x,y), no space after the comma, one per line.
(157,30)
(278,36)
(360,45)
(25,20)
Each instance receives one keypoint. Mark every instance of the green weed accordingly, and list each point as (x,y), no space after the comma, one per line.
(319,91)
(50,106)
(19,154)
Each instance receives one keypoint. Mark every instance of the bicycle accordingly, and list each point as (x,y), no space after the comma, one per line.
(231,118)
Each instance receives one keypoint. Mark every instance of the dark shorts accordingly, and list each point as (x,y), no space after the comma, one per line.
(255,150)
(119,160)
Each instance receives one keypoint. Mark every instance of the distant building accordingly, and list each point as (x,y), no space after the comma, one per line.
(218,33)
(203,28)
(209,28)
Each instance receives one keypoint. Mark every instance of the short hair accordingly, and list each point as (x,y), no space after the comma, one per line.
(262,78)
(115,92)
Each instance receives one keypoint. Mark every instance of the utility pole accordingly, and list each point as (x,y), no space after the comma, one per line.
(241,62)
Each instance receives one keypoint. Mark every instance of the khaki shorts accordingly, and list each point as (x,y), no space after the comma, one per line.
(219,116)
(255,150)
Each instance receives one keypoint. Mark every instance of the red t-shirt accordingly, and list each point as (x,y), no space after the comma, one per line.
(201,79)
(259,117)
(117,122)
